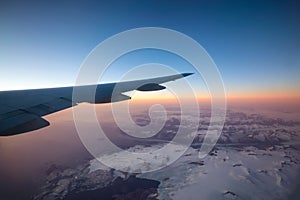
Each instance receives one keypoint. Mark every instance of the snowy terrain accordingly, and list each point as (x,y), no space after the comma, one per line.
(256,157)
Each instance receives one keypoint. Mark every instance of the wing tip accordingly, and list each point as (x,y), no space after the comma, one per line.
(186,74)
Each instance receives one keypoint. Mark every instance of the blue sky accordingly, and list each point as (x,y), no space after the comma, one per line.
(255,44)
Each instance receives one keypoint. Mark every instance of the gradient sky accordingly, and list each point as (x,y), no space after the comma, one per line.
(255,44)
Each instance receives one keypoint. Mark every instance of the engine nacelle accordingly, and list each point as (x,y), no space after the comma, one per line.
(151,87)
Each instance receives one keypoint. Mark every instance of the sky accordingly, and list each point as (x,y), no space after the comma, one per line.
(254,44)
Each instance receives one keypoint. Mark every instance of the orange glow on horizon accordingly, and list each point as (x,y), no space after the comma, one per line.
(254,97)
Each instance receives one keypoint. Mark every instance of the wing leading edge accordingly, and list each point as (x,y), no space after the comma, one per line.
(21,111)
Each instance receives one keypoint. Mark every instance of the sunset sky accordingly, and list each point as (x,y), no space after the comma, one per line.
(255,44)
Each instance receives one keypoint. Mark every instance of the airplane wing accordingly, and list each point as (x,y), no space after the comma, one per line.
(23,110)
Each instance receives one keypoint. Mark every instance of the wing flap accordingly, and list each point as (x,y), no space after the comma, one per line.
(151,87)
(52,106)
(20,121)
(29,119)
